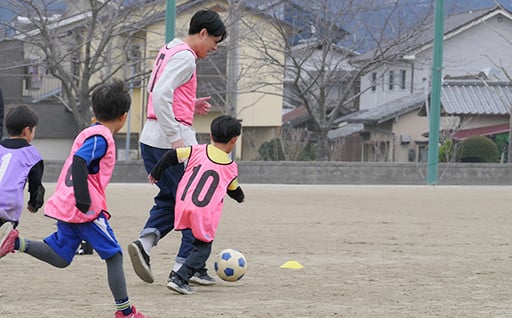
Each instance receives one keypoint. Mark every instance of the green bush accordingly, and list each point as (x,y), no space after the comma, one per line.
(274,150)
(478,149)
(501,141)
(271,150)
(446,151)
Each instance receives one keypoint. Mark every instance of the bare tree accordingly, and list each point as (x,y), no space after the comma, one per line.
(322,41)
(85,42)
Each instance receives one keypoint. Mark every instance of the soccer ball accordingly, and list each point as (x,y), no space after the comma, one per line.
(230,265)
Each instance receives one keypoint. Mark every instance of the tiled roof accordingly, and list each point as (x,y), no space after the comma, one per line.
(476,98)
(345,130)
(296,116)
(387,111)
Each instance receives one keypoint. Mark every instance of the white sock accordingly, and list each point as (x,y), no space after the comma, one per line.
(176,267)
(147,242)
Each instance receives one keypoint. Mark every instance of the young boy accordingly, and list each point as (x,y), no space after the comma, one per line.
(20,162)
(209,175)
(79,203)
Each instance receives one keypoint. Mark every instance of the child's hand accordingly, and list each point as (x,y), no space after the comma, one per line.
(151,179)
(31,208)
(36,202)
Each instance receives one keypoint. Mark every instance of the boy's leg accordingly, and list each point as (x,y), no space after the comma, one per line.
(10,241)
(187,239)
(201,276)
(45,253)
(101,237)
(195,262)
(117,285)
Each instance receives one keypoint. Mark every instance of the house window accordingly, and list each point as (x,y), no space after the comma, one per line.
(403,74)
(135,62)
(391,80)
(374,81)
(34,77)
(423,152)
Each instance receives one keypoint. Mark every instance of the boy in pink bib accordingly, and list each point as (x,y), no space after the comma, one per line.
(79,204)
(210,174)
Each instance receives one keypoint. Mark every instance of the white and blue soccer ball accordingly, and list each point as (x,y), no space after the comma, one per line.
(230,265)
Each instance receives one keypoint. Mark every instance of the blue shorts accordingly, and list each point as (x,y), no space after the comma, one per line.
(97,233)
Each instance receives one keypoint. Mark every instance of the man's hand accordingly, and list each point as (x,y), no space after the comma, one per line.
(202,105)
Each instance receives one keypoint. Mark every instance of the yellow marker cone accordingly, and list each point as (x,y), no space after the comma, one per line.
(292,265)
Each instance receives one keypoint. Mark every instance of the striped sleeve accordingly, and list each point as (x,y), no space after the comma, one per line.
(94,148)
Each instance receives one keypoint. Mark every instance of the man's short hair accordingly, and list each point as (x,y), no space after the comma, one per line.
(209,20)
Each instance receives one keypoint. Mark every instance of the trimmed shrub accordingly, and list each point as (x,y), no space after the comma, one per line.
(478,149)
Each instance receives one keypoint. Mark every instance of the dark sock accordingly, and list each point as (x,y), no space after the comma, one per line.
(124,305)
(20,244)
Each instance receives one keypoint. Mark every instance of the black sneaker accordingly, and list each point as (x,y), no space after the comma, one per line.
(176,284)
(140,261)
(202,279)
(85,248)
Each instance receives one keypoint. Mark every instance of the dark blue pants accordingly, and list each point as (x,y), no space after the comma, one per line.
(161,215)
(196,262)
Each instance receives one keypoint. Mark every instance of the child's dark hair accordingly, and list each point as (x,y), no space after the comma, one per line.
(224,128)
(209,20)
(18,118)
(110,100)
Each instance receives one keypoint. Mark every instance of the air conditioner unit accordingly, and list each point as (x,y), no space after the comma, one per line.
(405,139)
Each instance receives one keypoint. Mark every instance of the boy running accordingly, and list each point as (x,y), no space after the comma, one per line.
(79,202)
(209,175)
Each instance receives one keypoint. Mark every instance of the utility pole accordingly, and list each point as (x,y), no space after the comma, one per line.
(233,58)
(170,20)
(435,102)
(233,61)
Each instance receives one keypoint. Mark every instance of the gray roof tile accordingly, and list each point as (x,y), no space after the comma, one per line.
(476,98)
(387,111)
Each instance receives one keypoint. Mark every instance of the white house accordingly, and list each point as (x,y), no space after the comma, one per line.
(474,42)
(476,46)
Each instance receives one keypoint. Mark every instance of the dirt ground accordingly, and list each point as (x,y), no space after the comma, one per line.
(367,251)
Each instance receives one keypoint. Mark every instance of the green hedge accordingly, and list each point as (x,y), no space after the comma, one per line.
(478,149)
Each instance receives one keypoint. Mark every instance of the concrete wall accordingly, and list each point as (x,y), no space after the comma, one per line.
(333,173)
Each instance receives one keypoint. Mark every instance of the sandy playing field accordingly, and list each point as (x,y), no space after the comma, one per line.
(367,251)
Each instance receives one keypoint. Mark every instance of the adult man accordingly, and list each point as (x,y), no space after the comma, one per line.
(172,104)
